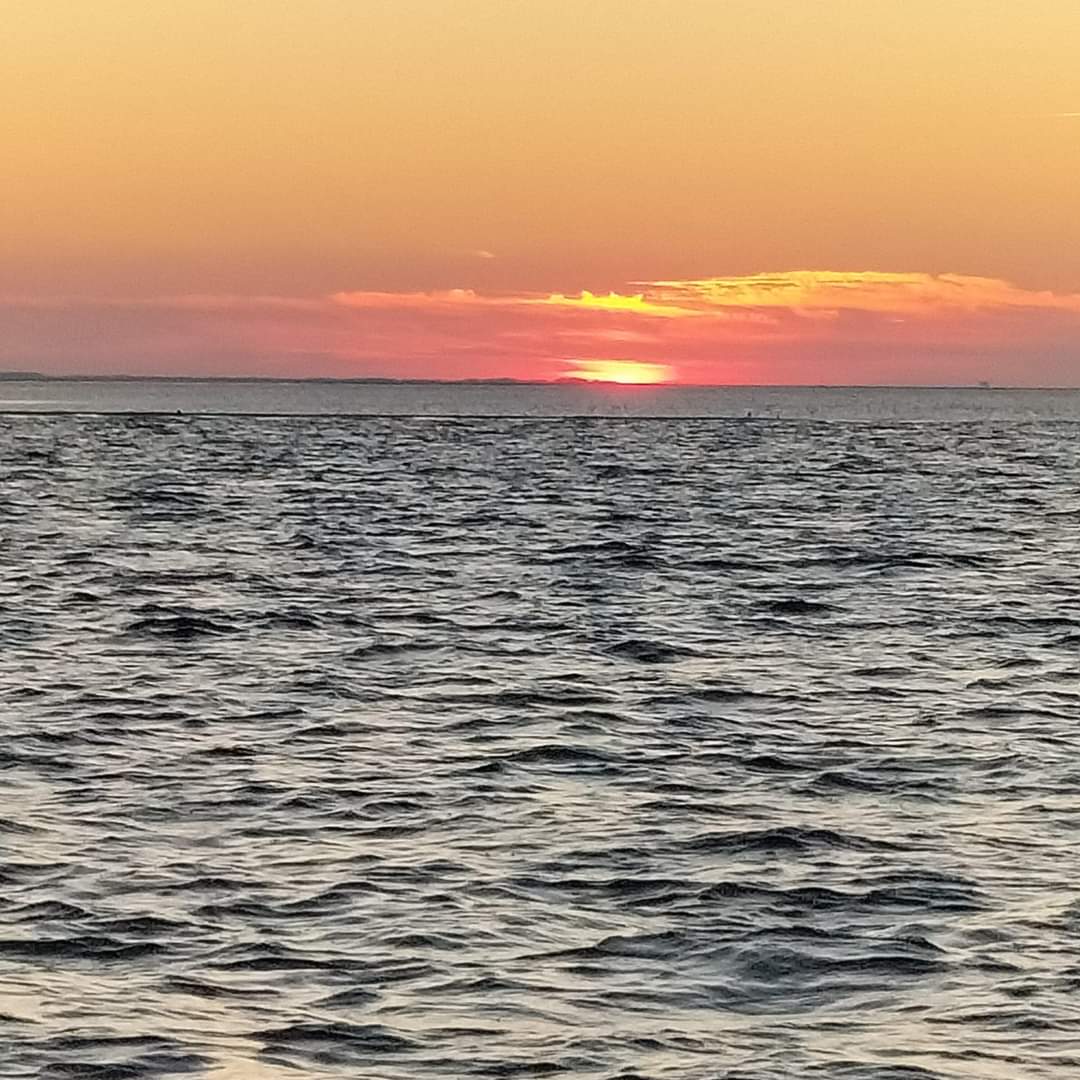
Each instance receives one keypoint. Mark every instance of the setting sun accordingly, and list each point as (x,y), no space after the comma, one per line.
(630,372)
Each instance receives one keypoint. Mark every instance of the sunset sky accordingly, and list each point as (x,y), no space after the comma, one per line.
(710,191)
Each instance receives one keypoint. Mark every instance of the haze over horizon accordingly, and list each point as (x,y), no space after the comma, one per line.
(838,193)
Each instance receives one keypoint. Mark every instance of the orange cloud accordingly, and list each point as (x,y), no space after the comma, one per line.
(814,294)
(448,298)
(815,290)
(615,302)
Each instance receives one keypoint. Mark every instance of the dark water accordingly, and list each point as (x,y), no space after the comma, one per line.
(387,748)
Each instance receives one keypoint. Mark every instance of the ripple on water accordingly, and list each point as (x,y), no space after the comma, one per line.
(401,748)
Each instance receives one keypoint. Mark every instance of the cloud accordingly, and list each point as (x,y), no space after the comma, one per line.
(636,304)
(430,301)
(816,294)
(802,291)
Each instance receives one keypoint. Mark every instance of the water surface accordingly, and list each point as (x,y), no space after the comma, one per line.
(394,747)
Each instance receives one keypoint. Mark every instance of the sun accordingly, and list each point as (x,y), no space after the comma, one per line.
(627,372)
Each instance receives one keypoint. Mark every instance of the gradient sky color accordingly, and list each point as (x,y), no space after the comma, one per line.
(851,191)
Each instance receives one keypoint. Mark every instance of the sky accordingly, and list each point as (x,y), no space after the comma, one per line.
(705,191)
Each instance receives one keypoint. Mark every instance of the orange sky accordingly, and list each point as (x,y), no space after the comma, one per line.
(774,191)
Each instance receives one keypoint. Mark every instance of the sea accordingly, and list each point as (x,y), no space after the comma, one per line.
(395,731)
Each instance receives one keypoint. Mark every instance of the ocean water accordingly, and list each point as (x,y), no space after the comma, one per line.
(388,747)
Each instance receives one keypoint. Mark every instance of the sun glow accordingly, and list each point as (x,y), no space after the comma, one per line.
(627,372)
